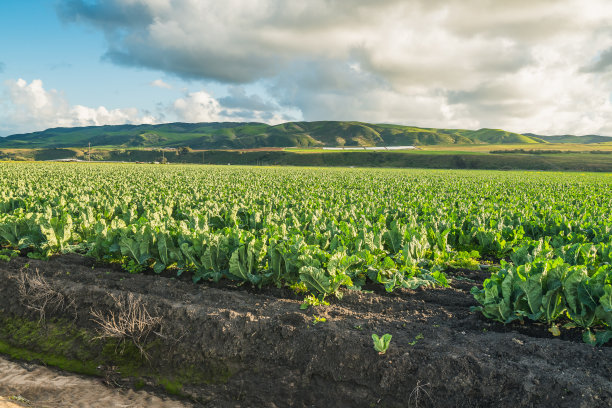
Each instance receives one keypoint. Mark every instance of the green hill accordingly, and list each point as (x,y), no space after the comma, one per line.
(229,135)
(587,139)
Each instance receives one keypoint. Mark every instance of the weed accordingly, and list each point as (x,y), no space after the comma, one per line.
(133,267)
(36,293)
(416,339)
(417,393)
(132,322)
(317,319)
(298,288)
(312,300)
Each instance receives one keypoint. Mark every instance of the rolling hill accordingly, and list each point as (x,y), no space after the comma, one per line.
(586,139)
(230,135)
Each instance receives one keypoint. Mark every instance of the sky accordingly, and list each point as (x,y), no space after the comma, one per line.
(540,66)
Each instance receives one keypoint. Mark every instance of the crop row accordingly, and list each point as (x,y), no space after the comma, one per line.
(323,229)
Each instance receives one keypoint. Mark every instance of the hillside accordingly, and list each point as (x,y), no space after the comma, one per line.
(229,135)
(587,139)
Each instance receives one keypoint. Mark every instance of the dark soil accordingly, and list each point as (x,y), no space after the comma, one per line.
(273,354)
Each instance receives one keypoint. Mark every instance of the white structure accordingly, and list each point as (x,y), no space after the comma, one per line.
(370,148)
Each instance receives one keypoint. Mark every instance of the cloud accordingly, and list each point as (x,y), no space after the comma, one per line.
(197,107)
(158,83)
(238,99)
(29,107)
(422,62)
(350,93)
(602,63)
(201,106)
(240,41)
(545,101)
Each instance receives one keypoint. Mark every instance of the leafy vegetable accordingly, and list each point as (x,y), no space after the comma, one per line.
(381,344)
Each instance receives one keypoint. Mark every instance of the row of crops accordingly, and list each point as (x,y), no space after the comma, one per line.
(324,229)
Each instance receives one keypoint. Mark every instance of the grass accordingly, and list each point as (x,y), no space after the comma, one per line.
(486,148)
(577,158)
(252,135)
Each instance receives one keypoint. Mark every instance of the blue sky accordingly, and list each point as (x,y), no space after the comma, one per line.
(36,44)
(528,66)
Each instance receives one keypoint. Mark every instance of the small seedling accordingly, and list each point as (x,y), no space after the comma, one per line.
(554,329)
(298,288)
(416,339)
(312,300)
(318,319)
(8,254)
(381,344)
(19,398)
(133,267)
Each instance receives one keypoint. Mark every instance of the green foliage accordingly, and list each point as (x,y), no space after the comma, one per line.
(7,254)
(381,344)
(416,339)
(318,319)
(185,136)
(314,301)
(327,231)
(548,290)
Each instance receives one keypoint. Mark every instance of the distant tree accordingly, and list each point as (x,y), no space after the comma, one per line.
(184,150)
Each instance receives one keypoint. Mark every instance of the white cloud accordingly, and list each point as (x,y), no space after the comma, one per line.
(27,107)
(158,83)
(201,106)
(197,107)
(525,65)
(30,107)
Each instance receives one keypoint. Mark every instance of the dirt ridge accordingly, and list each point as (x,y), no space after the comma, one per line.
(249,347)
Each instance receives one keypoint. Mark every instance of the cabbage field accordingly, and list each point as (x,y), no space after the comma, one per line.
(545,237)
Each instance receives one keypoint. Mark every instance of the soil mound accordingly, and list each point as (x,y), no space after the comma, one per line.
(228,346)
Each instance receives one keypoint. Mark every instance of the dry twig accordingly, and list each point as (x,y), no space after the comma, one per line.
(131,322)
(417,393)
(36,293)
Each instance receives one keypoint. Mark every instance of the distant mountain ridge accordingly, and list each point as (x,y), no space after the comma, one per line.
(235,135)
(586,139)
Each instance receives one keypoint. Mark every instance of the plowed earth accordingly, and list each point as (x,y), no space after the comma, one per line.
(275,355)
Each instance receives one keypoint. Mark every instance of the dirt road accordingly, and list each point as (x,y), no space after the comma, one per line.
(29,385)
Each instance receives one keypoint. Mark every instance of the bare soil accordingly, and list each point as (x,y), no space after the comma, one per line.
(30,385)
(260,350)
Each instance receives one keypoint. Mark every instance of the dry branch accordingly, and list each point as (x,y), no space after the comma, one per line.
(131,321)
(38,294)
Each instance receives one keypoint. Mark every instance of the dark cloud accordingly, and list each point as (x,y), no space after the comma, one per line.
(426,62)
(108,14)
(238,99)
(487,93)
(240,115)
(328,90)
(529,21)
(602,63)
(217,66)
(431,42)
